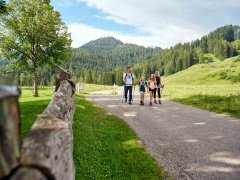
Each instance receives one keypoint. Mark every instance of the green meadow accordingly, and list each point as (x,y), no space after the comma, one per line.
(105,147)
(214,86)
(89,88)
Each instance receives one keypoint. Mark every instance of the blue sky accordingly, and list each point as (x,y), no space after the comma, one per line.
(145,22)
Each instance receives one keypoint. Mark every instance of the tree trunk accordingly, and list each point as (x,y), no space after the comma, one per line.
(35,84)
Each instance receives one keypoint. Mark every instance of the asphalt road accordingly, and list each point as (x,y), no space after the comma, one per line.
(188,142)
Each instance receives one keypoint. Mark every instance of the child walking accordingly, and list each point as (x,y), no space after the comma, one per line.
(158,87)
(151,86)
(142,90)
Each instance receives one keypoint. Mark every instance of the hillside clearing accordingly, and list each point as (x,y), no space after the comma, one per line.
(214,86)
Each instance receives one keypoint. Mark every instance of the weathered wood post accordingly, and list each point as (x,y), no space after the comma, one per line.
(47,151)
(9,130)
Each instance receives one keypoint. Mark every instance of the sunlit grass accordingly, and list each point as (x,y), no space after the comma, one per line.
(225,72)
(214,86)
(89,88)
(31,106)
(104,145)
(106,148)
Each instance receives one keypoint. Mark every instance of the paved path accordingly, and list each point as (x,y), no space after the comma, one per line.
(189,142)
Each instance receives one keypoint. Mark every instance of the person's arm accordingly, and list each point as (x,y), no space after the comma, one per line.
(145,84)
(162,85)
(133,79)
(124,78)
(148,84)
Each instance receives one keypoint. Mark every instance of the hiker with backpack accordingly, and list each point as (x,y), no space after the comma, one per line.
(142,89)
(158,87)
(129,81)
(151,86)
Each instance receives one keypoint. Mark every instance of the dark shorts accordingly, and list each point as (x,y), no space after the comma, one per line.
(151,90)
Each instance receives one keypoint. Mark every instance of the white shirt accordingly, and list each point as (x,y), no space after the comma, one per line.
(128,78)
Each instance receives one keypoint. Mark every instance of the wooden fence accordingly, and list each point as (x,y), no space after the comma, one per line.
(46,153)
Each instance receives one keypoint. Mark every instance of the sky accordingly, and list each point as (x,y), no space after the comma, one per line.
(150,23)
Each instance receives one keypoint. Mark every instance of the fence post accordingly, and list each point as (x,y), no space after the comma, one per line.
(9,130)
(46,152)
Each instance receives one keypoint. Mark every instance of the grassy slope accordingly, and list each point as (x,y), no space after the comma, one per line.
(214,86)
(104,146)
(209,74)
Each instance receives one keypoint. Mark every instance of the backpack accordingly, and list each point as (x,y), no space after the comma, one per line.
(142,85)
(126,76)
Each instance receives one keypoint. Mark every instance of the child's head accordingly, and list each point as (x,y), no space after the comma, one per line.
(152,77)
(143,78)
(157,74)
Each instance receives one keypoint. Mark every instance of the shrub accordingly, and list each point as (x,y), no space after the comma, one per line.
(223,75)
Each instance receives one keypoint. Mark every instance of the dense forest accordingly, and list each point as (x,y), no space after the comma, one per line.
(104,60)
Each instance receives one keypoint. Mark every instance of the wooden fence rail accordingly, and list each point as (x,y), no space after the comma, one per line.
(46,153)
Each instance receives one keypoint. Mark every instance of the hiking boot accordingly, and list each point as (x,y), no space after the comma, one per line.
(155,101)
(160,101)
(150,103)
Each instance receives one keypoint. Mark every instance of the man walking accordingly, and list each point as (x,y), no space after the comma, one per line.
(129,81)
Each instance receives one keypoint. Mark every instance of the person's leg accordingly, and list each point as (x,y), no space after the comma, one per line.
(159,95)
(142,99)
(151,97)
(130,93)
(126,91)
(154,95)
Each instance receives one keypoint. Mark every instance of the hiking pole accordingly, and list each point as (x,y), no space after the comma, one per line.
(123,92)
(133,92)
(162,90)
(163,85)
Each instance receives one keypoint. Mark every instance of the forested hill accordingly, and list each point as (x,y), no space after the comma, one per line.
(102,44)
(222,43)
(94,61)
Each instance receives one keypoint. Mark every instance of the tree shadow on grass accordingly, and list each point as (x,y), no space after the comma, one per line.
(105,147)
(221,104)
(29,111)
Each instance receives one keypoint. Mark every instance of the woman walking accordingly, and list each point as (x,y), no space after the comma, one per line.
(158,87)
